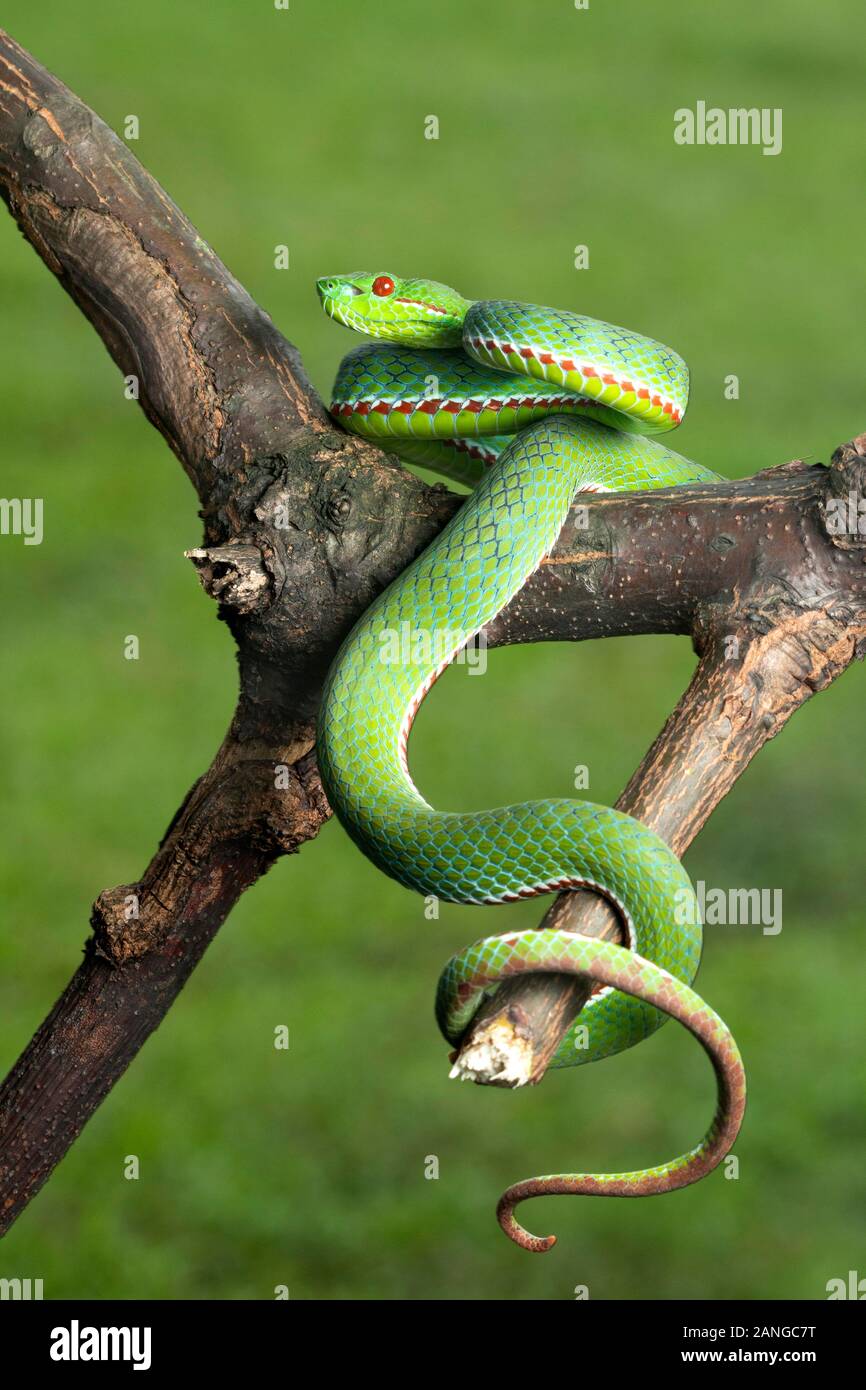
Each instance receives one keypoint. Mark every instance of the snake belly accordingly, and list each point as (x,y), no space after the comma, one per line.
(530,406)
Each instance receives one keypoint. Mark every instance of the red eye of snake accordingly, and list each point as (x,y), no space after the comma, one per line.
(382,285)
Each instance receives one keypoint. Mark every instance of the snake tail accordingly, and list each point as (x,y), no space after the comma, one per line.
(487,963)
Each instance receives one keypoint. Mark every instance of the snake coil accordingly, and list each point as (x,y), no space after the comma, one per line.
(528,406)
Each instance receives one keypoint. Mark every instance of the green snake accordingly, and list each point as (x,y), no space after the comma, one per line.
(529,406)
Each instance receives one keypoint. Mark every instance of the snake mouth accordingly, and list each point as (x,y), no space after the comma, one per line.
(374,328)
(341,310)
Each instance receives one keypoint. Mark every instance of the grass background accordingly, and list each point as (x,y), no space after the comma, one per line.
(306,1167)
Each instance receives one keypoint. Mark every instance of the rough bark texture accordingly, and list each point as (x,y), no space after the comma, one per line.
(303,526)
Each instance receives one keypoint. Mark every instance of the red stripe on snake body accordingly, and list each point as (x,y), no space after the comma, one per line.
(567,364)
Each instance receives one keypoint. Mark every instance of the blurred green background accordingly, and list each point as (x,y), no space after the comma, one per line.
(306,1167)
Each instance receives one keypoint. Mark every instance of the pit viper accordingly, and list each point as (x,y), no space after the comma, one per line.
(529,406)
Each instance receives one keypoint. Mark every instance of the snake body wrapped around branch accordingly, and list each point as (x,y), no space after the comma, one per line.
(529,406)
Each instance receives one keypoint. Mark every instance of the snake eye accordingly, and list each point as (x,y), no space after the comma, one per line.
(383,285)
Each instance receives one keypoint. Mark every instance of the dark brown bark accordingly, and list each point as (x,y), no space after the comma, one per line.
(303,526)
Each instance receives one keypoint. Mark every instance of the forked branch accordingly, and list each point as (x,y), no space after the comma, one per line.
(787,621)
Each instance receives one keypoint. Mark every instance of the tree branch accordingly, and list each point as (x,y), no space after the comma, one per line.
(303,526)
(787,621)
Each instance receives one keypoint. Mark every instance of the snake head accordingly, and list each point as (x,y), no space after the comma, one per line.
(421,312)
